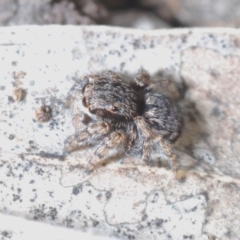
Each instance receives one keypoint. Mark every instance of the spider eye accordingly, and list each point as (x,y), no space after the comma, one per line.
(84,102)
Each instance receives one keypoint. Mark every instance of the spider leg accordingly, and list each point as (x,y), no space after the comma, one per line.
(112,146)
(146,150)
(80,119)
(142,79)
(171,156)
(87,135)
(147,135)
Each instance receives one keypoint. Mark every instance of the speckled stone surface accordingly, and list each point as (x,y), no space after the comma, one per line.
(125,198)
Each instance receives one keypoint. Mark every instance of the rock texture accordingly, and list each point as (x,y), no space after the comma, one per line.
(41,12)
(125,198)
(196,13)
(138,19)
(136,14)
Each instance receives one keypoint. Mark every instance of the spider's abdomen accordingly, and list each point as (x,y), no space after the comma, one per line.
(163,116)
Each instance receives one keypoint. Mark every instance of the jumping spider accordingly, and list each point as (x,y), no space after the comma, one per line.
(122,117)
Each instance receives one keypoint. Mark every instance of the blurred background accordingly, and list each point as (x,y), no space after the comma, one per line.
(141,14)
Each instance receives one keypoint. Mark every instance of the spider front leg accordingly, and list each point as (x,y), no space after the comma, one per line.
(87,135)
(171,156)
(146,135)
(146,150)
(112,146)
(80,119)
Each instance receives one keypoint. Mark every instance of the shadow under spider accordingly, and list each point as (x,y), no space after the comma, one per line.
(193,123)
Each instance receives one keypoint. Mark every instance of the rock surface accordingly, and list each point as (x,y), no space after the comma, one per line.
(137,14)
(124,198)
(137,19)
(41,12)
(196,13)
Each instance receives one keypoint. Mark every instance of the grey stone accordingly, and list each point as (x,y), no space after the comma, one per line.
(209,13)
(42,12)
(196,13)
(124,198)
(7,10)
(138,19)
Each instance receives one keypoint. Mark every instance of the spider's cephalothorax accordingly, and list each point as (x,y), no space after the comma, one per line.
(122,117)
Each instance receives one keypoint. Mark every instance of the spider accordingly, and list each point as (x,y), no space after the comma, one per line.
(122,117)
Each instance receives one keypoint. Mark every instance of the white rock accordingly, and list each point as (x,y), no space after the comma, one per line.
(124,199)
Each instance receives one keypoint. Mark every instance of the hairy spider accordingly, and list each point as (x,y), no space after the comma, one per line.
(122,117)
